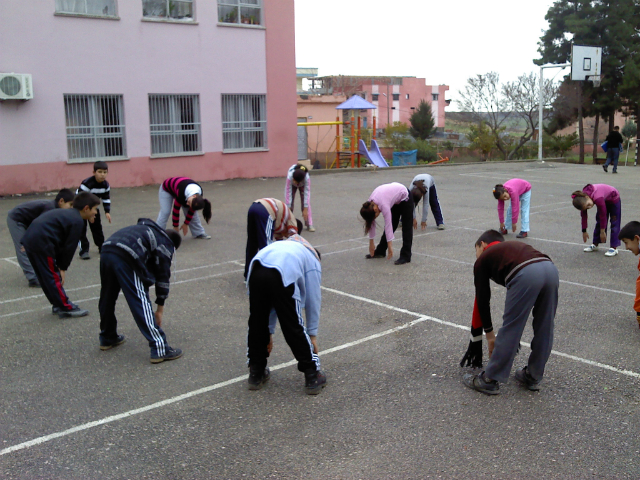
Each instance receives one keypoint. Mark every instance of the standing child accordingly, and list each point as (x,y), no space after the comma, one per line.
(532,283)
(393,201)
(423,187)
(50,242)
(176,192)
(519,192)
(607,201)
(298,178)
(98,185)
(21,217)
(285,276)
(614,146)
(630,235)
(134,258)
(268,219)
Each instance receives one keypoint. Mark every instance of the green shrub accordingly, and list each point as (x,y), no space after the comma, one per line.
(426,151)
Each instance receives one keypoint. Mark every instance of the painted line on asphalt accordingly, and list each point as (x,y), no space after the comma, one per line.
(420,319)
(11,260)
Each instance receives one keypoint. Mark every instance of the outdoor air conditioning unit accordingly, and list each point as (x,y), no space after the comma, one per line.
(16,86)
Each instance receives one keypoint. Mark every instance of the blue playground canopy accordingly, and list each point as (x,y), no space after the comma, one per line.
(356,103)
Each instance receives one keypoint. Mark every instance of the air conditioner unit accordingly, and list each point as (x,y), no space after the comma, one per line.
(16,86)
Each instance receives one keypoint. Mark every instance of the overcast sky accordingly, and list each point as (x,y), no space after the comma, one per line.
(445,42)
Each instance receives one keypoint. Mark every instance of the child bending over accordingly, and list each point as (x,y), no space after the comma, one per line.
(519,192)
(607,202)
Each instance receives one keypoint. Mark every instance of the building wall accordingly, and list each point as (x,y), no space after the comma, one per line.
(322,108)
(131,57)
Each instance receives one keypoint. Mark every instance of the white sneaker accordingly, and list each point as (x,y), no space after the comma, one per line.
(612,252)
(310,228)
(591,248)
(441,227)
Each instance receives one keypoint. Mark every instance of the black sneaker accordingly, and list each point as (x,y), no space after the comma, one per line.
(114,343)
(76,311)
(85,255)
(504,231)
(604,167)
(34,284)
(522,375)
(522,235)
(169,354)
(480,383)
(377,255)
(314,381)
(258,377)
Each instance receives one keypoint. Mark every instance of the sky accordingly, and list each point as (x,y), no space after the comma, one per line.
(445,42)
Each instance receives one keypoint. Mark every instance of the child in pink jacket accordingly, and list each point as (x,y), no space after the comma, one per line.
(519,192)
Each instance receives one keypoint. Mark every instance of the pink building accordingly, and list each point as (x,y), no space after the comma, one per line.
(396,97)
(200,88)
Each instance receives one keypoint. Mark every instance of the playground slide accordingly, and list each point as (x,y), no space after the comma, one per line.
(373,155)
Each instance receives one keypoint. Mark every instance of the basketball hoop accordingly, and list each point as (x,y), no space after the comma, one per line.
(596,79)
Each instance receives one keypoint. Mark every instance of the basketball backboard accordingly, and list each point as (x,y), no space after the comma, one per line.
(585,62)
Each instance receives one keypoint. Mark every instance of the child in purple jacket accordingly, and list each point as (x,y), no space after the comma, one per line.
(519,192)
(607,201)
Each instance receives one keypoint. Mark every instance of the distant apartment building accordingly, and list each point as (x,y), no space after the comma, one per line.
(396,97)
(157,88)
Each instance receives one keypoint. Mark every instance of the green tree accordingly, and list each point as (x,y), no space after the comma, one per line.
(482,139)
(422,122)
(397,137)
(559,145)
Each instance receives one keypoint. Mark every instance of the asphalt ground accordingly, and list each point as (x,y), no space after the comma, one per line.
(391,338)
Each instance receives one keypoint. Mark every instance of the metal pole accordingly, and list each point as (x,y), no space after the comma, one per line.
(540,108)
(387,102)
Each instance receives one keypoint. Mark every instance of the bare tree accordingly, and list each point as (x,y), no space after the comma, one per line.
(483,99)
(523,97)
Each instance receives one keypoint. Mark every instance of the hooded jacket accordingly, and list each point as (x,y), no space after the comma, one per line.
(149,250)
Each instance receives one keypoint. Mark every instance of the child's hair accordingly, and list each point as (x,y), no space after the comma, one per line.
(65,194)
(200,203)
(85,199)
(490,236)
(418,191)
(498,190)
(630,231)
(368,213)
(299,225)
(175,237)
(580,199)
(100,165)
(299,173)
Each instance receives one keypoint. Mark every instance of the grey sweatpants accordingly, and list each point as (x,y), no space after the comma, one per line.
(17,229)
(166,208)
(534,287)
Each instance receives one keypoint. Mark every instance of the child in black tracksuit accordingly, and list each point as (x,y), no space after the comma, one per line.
(98,185)
(51,241)
(133,259)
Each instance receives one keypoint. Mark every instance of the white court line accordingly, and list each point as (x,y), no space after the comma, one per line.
(10,260)
(553,210)
(421,318)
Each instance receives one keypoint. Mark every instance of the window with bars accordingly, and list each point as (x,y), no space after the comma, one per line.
(244,122)
(434,97)
(243,12)
(95,127)
(106,8)
(374,97)
(168,9)
(396,96)
(175,124)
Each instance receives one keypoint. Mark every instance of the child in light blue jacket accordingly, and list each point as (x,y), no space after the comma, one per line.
(285,277)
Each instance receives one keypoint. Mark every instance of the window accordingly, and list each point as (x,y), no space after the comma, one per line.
(244,122)
(434,97)
(396,96)
(248,12)
(106,8)
(175,124)
(374,97)
(95,126)
(168,9)
(407,96)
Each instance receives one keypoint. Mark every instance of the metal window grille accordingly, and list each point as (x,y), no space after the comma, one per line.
(248,12)
(95,126)
(244,122)
(175,123)
(434,97)
(170,9)
(396,96)
(374,97)
(87,7)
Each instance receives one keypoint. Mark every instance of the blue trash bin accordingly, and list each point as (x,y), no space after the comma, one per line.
(405,158)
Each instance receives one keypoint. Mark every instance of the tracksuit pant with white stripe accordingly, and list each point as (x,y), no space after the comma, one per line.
(116,274)
(48,275)
(266,291)
(259,232)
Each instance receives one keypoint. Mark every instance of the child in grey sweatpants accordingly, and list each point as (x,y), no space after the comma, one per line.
(532,283)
